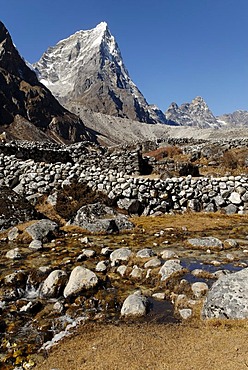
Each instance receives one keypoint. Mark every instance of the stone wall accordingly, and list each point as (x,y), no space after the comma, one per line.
(117,173)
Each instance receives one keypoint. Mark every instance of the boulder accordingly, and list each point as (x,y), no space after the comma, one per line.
(153,263)
(121,254)
(145,253)
(80,279)
(228,297)
(42,230)
(100,218)
(135,305)
(53,285)
(169,268)
(205,243)
(36,244)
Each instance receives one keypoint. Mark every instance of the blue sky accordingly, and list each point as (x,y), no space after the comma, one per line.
(174,50)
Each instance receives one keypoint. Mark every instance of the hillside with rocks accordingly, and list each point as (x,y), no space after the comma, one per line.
(28,109)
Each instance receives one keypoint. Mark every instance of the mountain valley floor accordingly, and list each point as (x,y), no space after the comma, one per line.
(210,345)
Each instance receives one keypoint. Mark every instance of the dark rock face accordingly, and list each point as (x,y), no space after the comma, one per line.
(27,105)
(14,209)
(196,113)
(86,70)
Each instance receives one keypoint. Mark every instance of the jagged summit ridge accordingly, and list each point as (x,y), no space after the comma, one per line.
(196,114)
(86,70)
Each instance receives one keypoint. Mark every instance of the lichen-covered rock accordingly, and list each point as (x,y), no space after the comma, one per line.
(228,297)
(42,229)
(135,305)
(100,218)
(169,268)
(80,279)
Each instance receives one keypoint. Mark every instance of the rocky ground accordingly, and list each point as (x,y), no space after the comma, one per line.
(75,256)
(161,270)
(151,346)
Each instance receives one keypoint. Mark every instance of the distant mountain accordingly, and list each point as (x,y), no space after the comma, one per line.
(195,114)
(238,118)
(86,71)
(28,110)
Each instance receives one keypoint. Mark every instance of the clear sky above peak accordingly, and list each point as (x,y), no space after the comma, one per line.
(174,50)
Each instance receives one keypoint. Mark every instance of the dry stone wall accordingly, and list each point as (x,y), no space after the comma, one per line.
(117,174)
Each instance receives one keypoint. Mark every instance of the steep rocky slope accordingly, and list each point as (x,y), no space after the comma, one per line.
(28,110)
(196,114)
(87,70)
(237,118)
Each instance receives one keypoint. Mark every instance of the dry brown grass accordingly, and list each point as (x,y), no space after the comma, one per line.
(192,220)
(206,345)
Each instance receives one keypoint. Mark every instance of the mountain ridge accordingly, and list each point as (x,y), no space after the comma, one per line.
(26,103)
(87,70)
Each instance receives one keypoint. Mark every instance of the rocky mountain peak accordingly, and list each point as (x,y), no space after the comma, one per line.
(196,113)
(86,70)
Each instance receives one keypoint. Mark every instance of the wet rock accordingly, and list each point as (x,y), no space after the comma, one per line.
(102,266)
(185,313)
(135,305)
(169,268)
(137,272)
(80,279)
(13,234)
(88,253)
(228,297)
(14,254)
(54,284)
(206,243)
(145,253)
(122,270)
(100,218)
(121,254)
(105,251)
(167,254)
(17,279)
(199,289)
(36,244)
(153,263)
(42,230)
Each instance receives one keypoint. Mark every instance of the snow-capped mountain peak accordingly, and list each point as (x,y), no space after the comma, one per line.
(87,70)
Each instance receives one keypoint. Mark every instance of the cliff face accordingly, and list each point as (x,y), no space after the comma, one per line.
(28,109)
(86,70)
